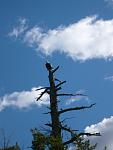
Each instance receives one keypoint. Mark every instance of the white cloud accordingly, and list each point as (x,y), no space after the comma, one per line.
(109,78)
(86,39)
(20,29)
(23,99)
(89,38)
(105,127)
(34,36)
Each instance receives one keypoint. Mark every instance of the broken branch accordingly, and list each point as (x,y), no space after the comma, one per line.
(55,69)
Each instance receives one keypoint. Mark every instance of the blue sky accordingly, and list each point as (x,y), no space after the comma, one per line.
(75,34)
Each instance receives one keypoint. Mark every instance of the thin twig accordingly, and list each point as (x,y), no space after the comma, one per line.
(63,94)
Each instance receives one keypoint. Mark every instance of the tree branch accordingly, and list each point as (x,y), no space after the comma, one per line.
(67,119)
(47,113)
(70,141)
(55,69)
(75,108)
(63,94)
(60,84)
(90,134)
(68,130)
(63,128)
(59,88)
(42,88)
(78,135)
(72,132)
(57,80)
(48,124)
(45,91)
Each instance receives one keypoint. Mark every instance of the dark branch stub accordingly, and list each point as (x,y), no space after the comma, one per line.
(55,69)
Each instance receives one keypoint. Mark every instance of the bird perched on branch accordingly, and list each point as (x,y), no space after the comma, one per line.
(48,66)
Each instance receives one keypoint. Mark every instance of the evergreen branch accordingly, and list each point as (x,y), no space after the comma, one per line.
(75,108)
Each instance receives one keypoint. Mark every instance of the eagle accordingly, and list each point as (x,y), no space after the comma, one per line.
(48,66)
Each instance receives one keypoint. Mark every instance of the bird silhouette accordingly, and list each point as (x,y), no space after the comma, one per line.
(48,66)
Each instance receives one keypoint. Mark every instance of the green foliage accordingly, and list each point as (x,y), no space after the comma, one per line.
(39,140)
(55,142)
(82,144)
(16,147)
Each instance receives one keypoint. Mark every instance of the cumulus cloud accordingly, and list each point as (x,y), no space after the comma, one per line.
(105,127)
(89,38)
(23,99)
(19,29)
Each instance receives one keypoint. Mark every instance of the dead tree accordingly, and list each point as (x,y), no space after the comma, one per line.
(55,140)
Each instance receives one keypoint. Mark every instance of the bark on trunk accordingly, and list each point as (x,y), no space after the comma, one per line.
(56,130)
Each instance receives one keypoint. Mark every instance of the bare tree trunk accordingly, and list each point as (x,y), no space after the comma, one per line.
(55,139)
(55,122)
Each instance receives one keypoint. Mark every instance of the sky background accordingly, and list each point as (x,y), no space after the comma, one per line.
(75,34)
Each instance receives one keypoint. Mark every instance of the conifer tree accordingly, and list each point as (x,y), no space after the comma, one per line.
(14,147)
